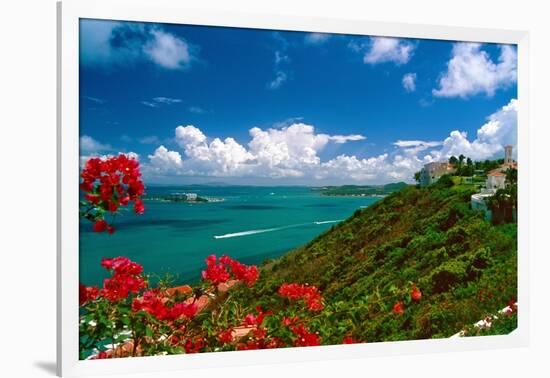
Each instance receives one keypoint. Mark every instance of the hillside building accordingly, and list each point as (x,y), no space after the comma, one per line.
(433,171)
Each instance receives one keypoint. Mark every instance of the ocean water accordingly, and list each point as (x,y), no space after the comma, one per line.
(251,225)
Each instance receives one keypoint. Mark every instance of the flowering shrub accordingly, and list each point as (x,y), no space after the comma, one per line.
(109,184)
(127,317)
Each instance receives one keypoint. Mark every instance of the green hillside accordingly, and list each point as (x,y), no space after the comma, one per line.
(465,267)
(357,190)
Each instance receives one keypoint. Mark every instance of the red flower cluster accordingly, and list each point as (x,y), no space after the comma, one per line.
(256,320)
(398,308)
(304,337)
(194,345)
(154,303)
(122,265)
(349,340)
(226,336)
(87,294)
(126,278)
(227,268)
(309,294)
(416,294)
(110,183)
(261,343)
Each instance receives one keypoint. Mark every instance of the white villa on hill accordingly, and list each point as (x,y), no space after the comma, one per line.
(496,179)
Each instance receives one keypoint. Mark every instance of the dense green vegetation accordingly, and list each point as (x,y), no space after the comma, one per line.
(367,190)
(428,237)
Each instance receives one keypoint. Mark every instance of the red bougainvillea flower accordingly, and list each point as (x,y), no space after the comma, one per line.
(289,321)
(139,208)
(151,302)
(416,294)
(349,340)
(110,183)
(121,265)
(182,309)
(215,272)
(227,268)
(194,345)
(119,286)
(100,226)
(398,308)
(101,356)
(256,320)
(309,294)
(155,303)
(226,336)
(87,293)
(304,337)
(125,279)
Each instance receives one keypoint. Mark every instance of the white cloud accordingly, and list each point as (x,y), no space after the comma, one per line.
(316,38)
(413,147)
(499,130)
(409,82)
(113,43)
(281,57)
(165,161)
(155,102)
(416,143)
(346,138)
(95,100)
(196,110)
(152,139)
(292,153)
(167,50)
(150,104)
(280,78)
(289,151)
(471,71)
(90,145)
(217,158)
(167,100)
(385,50)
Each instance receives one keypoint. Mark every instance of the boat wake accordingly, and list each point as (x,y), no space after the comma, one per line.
(329,221)
(261,231)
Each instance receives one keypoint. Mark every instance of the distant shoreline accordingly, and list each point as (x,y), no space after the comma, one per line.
(355,195)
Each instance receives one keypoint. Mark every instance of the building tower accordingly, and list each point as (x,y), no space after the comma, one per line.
(508,154)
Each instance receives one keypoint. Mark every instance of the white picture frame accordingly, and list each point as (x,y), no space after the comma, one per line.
(165,11)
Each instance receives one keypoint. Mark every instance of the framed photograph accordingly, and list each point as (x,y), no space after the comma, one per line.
(255,188)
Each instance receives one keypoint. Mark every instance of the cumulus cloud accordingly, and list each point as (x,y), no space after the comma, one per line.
(167,50)
(409,82)
(316,38)
(113,43)
(215,158)
(384,50)
(499,130)
(90,145)
(293,152)
(165,161)
(471,71)
(289,151)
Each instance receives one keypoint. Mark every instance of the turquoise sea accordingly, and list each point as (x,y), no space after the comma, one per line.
(251,224)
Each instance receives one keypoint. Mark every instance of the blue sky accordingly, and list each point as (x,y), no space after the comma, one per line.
(201,104)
